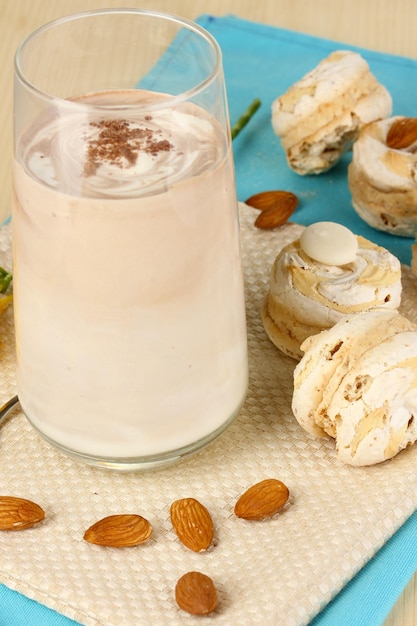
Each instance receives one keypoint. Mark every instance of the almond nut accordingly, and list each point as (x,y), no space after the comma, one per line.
(192,523)
(119,531)
(276,207)
(262,500)
(18,513)
(402,134)
(196,593)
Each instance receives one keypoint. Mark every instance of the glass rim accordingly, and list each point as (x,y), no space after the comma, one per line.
(168,17)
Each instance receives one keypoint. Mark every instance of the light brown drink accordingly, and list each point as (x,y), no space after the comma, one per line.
(131,336)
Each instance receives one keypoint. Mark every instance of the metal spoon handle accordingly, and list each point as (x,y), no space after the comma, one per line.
(7,407)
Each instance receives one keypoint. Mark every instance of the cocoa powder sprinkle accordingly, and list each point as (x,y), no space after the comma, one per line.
(118,142)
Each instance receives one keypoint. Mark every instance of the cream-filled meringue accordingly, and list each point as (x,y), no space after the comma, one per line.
(383,181)
(306,296)
(319,117)
(357,382)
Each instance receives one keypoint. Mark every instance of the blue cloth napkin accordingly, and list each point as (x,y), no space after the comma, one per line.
(262,61)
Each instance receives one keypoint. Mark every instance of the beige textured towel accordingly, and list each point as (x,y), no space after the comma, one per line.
(278,571)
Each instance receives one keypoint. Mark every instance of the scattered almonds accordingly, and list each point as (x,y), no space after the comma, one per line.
(276,207)
(196,593)
(192,523)
(18,513)
(402,134)
(119,531)
(262,500)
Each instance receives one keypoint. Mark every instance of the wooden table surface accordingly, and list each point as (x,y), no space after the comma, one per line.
(384,25)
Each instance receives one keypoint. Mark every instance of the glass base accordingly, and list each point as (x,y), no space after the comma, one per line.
(143,463)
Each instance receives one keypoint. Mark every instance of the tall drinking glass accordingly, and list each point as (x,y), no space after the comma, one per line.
(128,291)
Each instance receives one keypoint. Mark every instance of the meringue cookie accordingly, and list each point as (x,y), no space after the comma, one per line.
(374,408)
(320,116)
(328,357)
(363,375)
(383,181)
(306,296)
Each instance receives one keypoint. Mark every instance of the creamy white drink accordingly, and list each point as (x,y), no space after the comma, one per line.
(128,292)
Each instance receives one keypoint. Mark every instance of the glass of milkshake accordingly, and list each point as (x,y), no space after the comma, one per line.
(128,290)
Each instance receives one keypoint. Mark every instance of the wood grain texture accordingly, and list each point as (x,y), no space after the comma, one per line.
(383,25)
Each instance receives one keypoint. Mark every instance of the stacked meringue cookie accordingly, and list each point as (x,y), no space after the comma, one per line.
(320,116)
(357,383)
(383,179)
(312,286)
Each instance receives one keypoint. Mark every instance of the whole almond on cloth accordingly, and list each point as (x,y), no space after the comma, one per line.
(192,523)
(275,207)
(119,531)
(262,500)
(196,593)
(19,513)
(402,134)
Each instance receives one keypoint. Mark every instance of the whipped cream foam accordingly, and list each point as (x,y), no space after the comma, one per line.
(98,152)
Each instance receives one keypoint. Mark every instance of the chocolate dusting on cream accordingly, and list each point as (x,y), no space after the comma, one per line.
(119,142)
